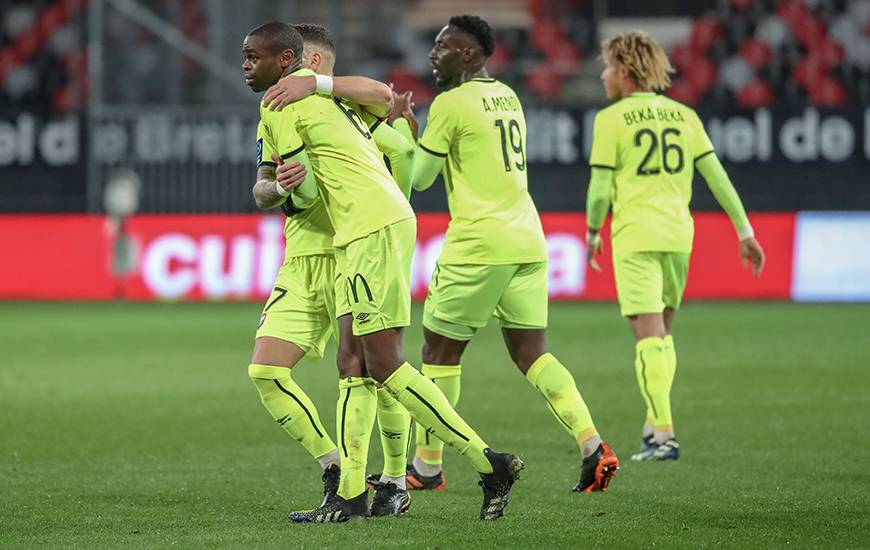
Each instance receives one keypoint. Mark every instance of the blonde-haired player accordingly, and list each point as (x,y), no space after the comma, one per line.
(645,150)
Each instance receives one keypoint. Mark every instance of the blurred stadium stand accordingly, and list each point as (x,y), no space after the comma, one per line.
(88,87)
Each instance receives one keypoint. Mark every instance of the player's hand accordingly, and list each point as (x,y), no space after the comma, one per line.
(404,106)
(287,90)
(751,254)
(593,247)
(289,176)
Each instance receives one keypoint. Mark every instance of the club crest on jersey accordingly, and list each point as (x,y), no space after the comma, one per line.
(259,151)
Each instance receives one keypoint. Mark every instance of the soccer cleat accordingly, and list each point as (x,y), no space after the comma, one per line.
(597,469)
(390,500)
(417,481)
(497,485)
(331,475)
(647,442)
(669,450)
(336,510)
(414,480)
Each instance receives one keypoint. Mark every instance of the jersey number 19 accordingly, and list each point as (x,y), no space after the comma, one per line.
(511,135)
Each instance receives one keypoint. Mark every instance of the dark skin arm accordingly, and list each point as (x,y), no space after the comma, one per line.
(265,193)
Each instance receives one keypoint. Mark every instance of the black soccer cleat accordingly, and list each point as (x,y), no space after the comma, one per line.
(497,485)
(390,500)
(597,469)
(337,510)
(331,475)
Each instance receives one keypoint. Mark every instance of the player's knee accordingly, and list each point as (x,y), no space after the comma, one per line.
(440,355)
(349,363)
(524,357)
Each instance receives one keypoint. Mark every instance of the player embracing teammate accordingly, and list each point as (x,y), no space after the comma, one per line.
(494,261)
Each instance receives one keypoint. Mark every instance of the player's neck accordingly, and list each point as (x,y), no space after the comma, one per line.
(292,69)
(466,76)
(632,88)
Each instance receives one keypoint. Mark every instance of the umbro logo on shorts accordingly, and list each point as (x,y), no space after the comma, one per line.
(362,318)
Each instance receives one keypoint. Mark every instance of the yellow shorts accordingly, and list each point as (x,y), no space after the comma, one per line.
(377,277)
(463,297)
(648,282)
(342,305)
(301,308)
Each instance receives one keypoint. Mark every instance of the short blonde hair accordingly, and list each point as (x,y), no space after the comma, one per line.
(645,60)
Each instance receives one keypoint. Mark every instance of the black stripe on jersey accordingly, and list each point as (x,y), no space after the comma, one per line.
(267,163)
(294,152)
(702,155)
(375,125)
(602,166)
(304,408)
(431,408)
(431,152)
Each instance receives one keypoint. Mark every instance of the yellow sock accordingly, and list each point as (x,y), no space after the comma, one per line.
(291,408)
(430,449)
(394,425)
(654,376)
(671,356)
(560,392)
(430,408)
(354,419)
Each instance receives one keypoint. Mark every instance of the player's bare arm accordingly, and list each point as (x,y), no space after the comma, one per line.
(266,189)
(376,97)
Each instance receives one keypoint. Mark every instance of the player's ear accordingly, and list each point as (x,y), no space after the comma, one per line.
(316,60)
(287,58)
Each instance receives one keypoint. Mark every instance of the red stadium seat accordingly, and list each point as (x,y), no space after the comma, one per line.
(811,68)
(755,52)
(705,31)
(544,81)
(831,53)
(683,91)
(827,92)
(701,74)
(757,93)
(809,31)
(682,56)
(547,34)
(501,58)
(740,5)
(793,10)
(564,58)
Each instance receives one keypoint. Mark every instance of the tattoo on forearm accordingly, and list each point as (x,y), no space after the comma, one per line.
(264,190)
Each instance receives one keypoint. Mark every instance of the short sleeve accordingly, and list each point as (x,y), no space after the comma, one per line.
(701,144)
(265,146)
(440,127)
(281,126)
(603,153)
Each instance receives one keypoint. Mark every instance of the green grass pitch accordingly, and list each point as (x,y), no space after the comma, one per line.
(134,425)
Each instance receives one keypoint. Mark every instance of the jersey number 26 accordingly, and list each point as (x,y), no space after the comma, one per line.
(672,153)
